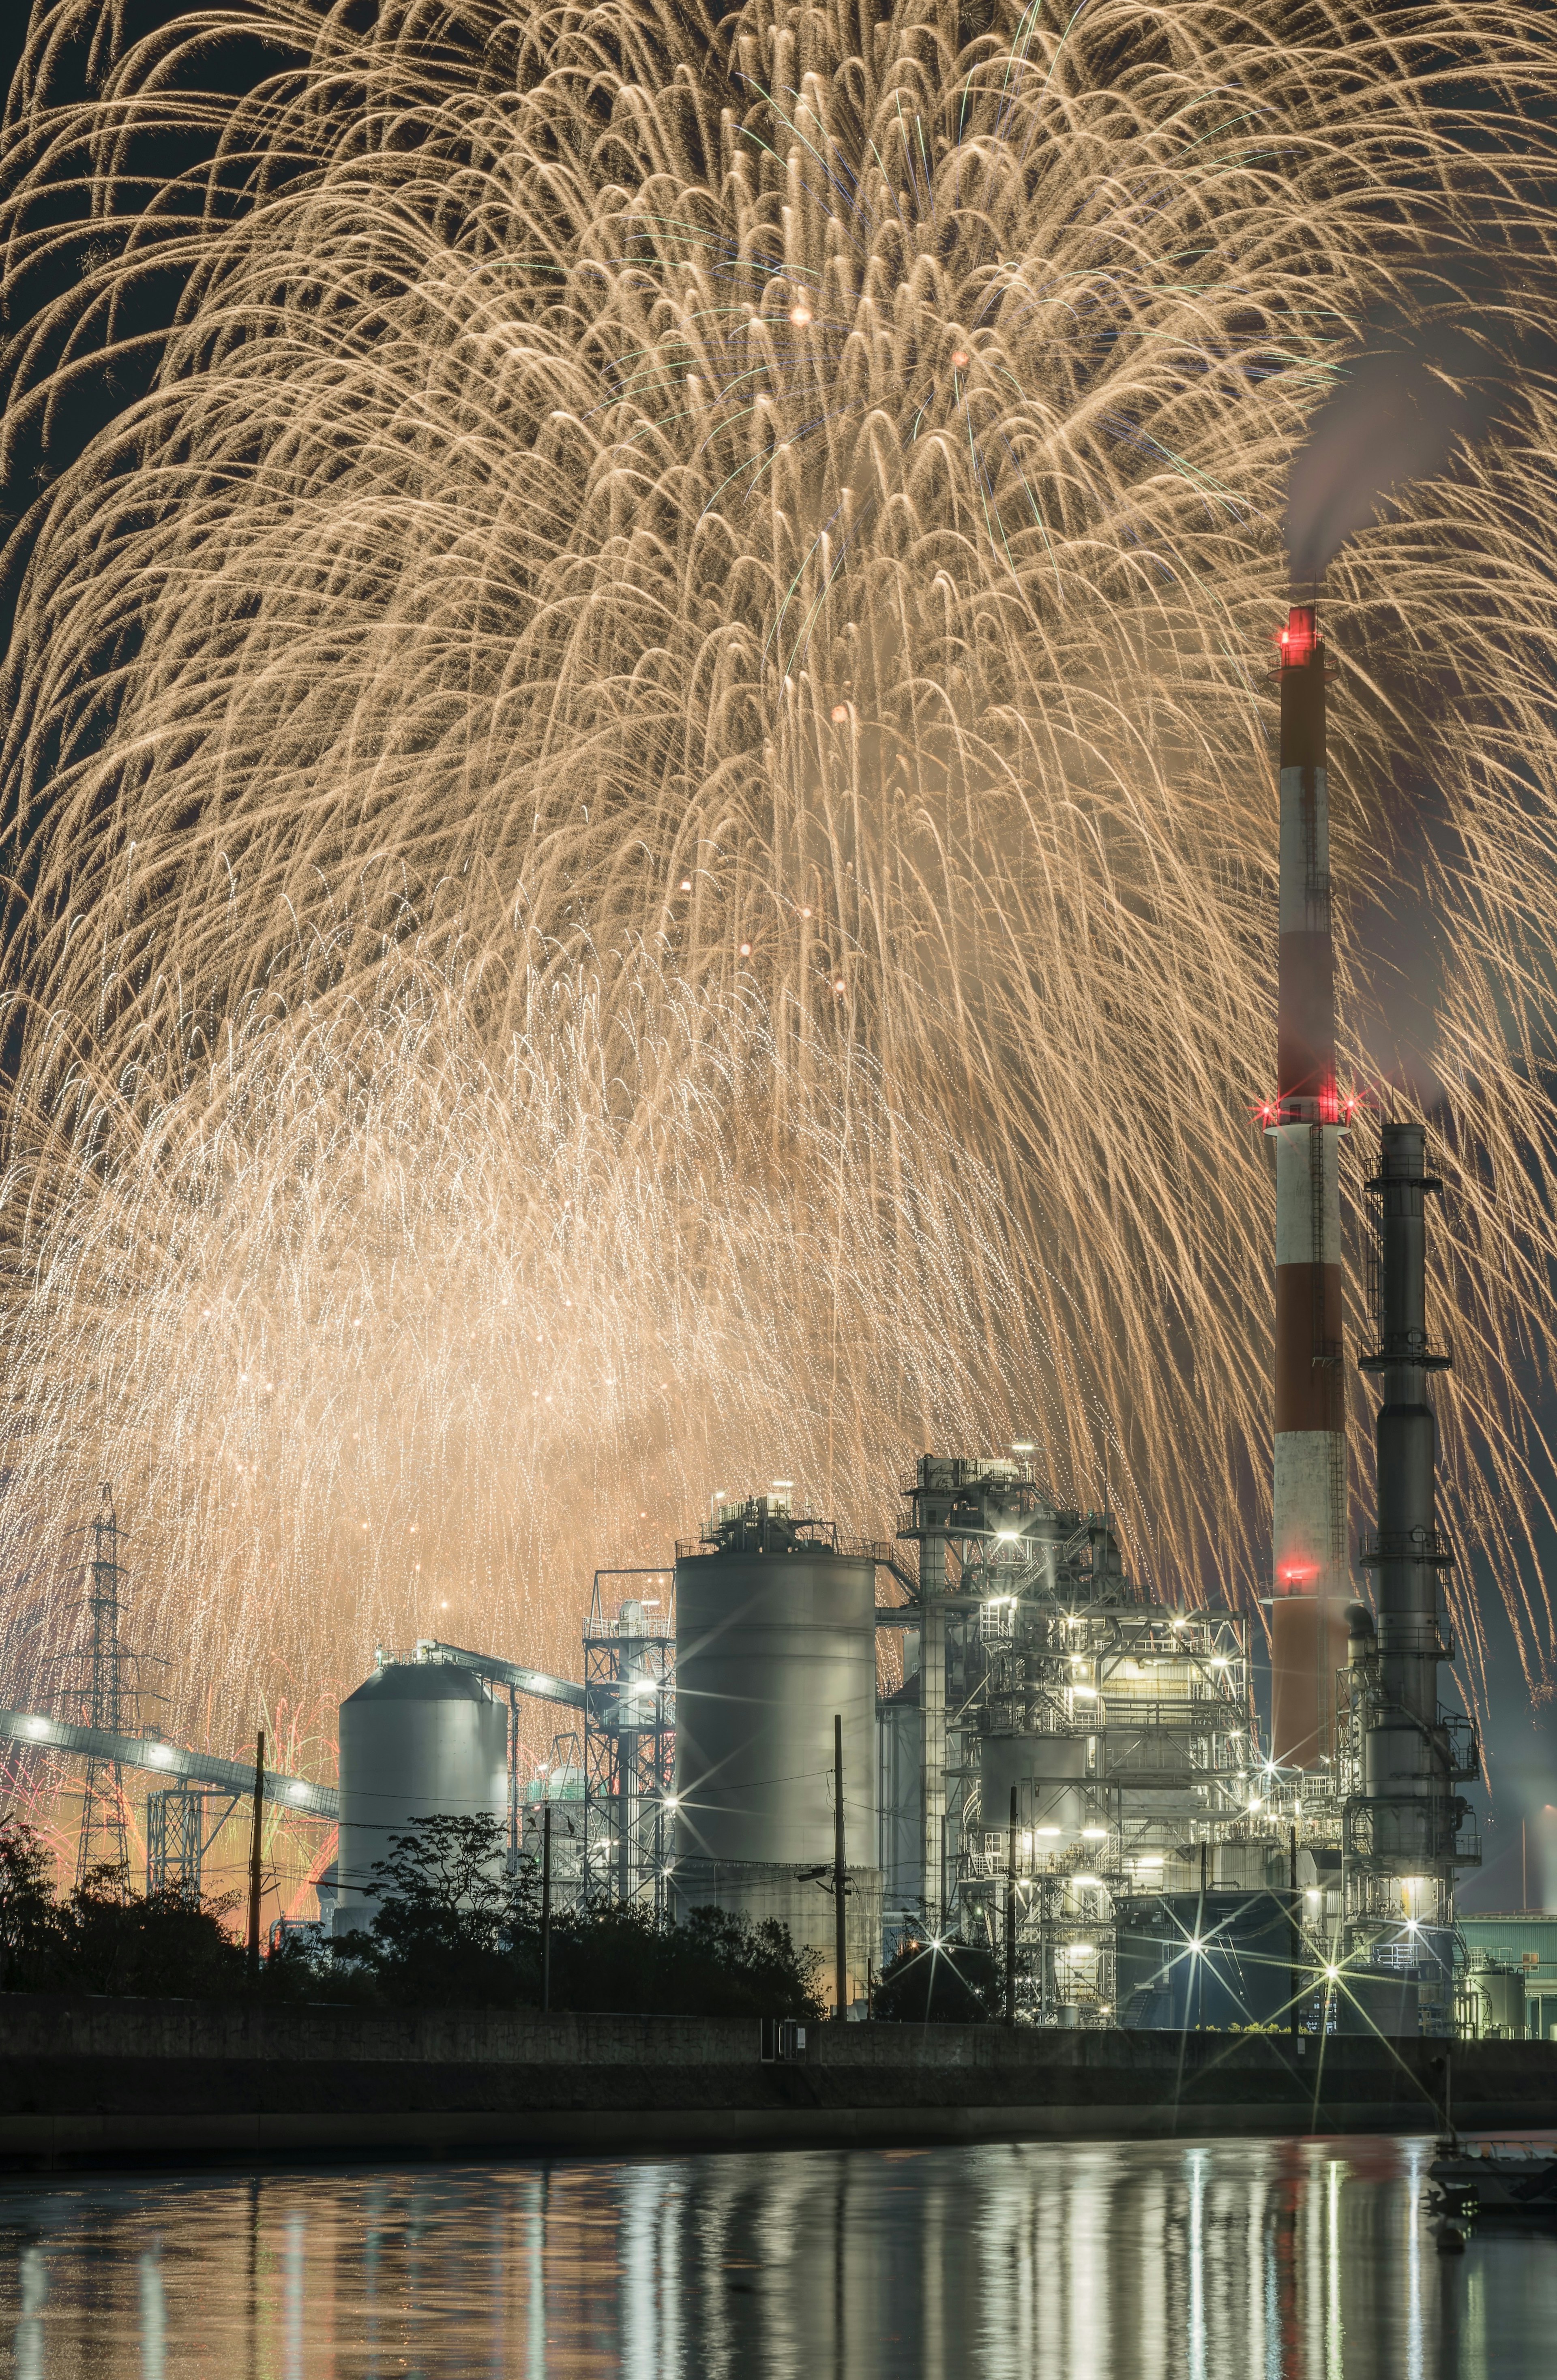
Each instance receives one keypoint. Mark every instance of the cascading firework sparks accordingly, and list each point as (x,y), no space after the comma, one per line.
(640,779)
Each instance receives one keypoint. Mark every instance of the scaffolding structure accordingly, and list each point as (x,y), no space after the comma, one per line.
(630,1743)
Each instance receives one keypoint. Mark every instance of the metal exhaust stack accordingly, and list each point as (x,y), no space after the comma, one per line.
(1402,1831)
(1309,1627)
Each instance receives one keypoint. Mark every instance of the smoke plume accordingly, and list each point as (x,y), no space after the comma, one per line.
(1403,406)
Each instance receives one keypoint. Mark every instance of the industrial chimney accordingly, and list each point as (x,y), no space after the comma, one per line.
(1309,1626)
(1402,1831)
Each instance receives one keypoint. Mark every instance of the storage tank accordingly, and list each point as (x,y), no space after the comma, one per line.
(775,1632)
(1501,1990)
(418,1740)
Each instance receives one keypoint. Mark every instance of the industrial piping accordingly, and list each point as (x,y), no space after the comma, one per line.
(1307,1120)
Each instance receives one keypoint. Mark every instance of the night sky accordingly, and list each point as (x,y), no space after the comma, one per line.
(1520,1809)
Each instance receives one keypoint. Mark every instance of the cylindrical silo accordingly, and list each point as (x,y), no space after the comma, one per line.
(418,1740)
(775,1635)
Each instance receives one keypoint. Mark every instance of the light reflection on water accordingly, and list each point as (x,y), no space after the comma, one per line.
(1247,2260)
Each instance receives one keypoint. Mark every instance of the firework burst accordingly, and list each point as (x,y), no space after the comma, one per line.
(640,777)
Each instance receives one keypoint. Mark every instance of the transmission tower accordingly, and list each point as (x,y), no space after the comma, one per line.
(103,1840)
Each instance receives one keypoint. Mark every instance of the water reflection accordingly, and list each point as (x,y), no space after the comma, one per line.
(1294,2261)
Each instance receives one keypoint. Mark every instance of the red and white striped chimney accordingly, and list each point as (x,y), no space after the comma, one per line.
(1309,1582)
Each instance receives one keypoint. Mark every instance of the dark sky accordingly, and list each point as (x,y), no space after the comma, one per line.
(1523,1740)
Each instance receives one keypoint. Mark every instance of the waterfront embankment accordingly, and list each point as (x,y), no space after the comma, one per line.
(85,2079)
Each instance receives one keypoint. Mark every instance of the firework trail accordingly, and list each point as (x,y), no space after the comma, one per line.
(641,785)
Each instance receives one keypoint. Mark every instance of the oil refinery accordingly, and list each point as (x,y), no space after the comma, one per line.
(1061,1771)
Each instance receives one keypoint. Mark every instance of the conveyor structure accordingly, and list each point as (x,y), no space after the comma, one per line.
(173,1762)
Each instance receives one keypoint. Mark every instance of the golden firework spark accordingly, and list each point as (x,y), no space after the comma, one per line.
(643,781)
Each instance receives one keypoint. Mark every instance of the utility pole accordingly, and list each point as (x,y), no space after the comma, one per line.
(546,1904)
(1291,1938)
(513,1781)
(1197,1971)
(254,1858)
(1011,1915)
(840,1901)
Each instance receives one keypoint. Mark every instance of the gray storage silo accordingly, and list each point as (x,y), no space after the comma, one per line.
(775,1633)
(418,1740)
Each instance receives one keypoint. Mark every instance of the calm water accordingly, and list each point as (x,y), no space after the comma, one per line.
(1226,2261)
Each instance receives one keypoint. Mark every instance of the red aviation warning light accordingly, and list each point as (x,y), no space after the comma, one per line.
(1300,640)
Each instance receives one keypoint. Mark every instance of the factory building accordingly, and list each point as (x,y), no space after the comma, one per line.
(1086,1742)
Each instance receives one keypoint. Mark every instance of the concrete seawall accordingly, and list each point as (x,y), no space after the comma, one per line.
(86,2081)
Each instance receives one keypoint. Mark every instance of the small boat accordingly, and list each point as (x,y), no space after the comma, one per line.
(1495,2178)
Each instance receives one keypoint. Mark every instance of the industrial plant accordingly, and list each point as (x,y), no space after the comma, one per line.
(1059,1769)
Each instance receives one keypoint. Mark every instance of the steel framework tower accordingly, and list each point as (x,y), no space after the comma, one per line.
(629,1748)
(103,1840)
(175,1838)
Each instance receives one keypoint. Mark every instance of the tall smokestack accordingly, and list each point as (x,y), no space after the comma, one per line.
(1402,1836)
(1309,1627)
(1407,1763)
